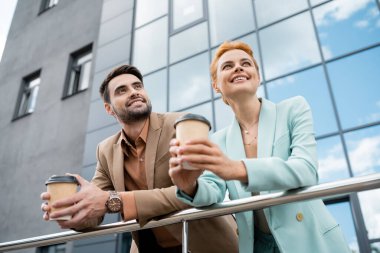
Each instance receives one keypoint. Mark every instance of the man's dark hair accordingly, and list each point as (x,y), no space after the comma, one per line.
(123,69)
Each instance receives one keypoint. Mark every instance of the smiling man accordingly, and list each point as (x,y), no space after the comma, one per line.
(132,178)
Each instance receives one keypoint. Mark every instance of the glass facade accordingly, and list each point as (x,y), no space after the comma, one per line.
(326,51)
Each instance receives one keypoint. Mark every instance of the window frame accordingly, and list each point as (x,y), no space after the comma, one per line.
(25,83)
(72,60)
(47,5)
(173,31)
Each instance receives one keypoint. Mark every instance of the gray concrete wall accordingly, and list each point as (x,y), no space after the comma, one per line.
(52,139)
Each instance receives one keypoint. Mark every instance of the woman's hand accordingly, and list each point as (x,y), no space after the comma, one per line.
(203,154)
(185,180)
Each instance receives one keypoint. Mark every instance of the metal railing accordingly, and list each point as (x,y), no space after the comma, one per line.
(341,187)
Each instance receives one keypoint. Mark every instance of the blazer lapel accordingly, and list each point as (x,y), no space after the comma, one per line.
(117,168)
(267,128)
(151,148)
(235,151)
(234,141)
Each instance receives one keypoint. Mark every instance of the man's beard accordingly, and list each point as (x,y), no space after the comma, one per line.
(129,116)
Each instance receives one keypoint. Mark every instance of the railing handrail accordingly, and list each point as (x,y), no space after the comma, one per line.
(340,187)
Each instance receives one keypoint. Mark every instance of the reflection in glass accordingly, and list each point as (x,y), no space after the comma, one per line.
(251,40)
(148,10)
(346,25)
(370,204)
(205,110)
(223,114)
(315,2)
(375,247)
(342,214)
(355,81)
(156,87)
(268,11)
(183,44)
(312,85)
(189,82)
(364,150)
(331,159)
(150,46)
(224,15)
(186,12)
(289,45)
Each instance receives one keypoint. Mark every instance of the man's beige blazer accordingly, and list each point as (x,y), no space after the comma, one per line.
(209,235)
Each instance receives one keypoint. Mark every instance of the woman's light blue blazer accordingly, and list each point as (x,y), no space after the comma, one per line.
(287,159)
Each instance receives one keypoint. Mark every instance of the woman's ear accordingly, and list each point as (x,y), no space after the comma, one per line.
(215,86)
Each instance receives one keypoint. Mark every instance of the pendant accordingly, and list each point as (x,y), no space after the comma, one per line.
(246,132)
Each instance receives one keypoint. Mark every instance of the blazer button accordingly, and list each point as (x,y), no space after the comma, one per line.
(237,231)
(299,216)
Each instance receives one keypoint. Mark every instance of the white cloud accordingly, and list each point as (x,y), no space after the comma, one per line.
(378,23)
(374,12)
(354,246)
(284,81)
(289,45)
(327,52)
(370,205)
(338,10)
(333,163)
(366,156)
(361,24)
(363,158)
(193,90)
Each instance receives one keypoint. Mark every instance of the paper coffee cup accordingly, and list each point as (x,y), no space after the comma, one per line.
(61,187)
(191,126)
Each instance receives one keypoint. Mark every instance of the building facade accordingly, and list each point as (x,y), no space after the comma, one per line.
(52,116)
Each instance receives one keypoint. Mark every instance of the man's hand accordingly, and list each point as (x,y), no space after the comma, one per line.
(85,205)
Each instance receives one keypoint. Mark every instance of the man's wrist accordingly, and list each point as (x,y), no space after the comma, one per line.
(129,205)
(114,203)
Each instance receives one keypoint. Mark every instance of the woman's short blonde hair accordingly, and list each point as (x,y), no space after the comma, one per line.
(227,46)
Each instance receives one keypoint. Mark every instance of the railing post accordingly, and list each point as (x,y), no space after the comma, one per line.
(185,238)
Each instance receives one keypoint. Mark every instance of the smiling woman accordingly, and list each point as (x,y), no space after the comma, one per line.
(7,9)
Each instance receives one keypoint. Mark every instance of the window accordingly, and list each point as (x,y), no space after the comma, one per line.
(59,248)
(269,11)
(312,85)
(47,4)
(223,17)
(186,12)
(78,76)
(344,26)
(189,83)
(355,83)
(153,55)
(147,11)
(298,48)
(182,44)
(28,95)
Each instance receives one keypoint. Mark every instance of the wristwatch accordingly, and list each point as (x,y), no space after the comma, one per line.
(114,203)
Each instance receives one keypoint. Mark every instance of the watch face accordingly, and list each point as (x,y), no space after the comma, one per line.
(114,205)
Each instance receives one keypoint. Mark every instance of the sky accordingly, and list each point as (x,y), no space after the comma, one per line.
(7,8)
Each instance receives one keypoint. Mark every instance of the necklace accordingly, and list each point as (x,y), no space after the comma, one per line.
(249,143)
(245,129)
